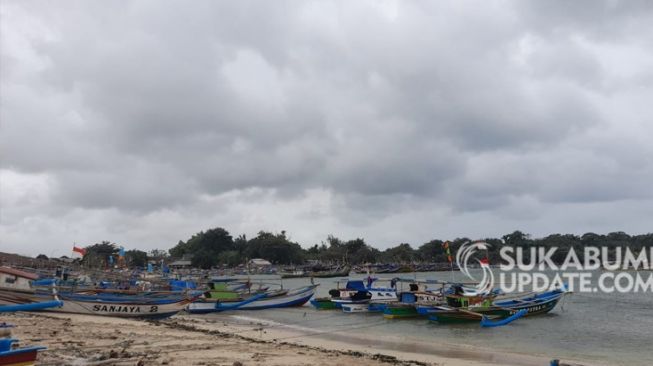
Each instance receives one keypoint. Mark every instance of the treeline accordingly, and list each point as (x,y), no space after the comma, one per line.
(215,247)
(105,253)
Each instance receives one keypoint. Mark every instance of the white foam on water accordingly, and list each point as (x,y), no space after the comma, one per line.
(272,323)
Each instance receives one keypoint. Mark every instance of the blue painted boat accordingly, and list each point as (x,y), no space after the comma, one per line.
(18,356)
(205,306)
(296,297)
(497,311)
(352,290)
(537,304)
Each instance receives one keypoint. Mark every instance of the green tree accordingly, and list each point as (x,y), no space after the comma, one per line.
(180,249)
(97,254)
(205,247)
(275,248)
(431,252)
(157,254)
(136,258)
(402,253)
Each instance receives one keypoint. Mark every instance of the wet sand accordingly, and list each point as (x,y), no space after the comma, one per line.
(189,340)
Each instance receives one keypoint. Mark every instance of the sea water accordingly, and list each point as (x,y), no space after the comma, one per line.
(611,328)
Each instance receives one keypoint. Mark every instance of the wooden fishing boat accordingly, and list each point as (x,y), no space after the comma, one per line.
(448,314)
(355,303)
(399,310)
(406,307)
(355,307)
(328,303)
(534,305)
(338,272)
(353,294)
(323,303)
(293,274)
(461,306)
(204,306)
(232,291)
(124,308)
(22,356)
(296,297)
(491,310)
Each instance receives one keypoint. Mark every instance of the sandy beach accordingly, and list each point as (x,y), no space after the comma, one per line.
(186,340)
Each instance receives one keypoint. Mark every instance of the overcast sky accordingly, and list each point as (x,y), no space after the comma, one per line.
(143,122)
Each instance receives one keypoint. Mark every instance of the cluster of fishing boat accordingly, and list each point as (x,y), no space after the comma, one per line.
(26,291)
(448,303)
(136,301)
(445,303)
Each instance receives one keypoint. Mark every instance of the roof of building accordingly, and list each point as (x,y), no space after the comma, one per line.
(19,273)
(180,263)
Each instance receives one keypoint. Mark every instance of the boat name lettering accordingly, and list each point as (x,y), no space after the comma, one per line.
(119,309)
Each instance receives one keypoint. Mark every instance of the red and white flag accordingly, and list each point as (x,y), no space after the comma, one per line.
(484,263)
(79,250)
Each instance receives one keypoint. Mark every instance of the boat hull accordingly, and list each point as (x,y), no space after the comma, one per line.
(355,308)
(19,359)
(323,304)
(457,316)
(122,310)
(536,305)
(327,274)
(17,356)
(400,311)
(296,297)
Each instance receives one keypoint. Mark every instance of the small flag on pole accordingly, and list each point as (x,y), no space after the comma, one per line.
(485,263)
(79,250)
(447,251)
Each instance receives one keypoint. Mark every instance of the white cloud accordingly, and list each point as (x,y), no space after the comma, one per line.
(393,121)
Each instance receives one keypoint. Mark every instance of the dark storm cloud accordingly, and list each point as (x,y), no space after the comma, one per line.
(370,111)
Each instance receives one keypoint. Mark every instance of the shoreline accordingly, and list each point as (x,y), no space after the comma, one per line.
(391,346)
(74,339)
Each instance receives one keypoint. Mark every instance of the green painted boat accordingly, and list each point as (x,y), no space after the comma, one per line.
(399,310)
(223,295)
(475,314)
(323,303)
(230,290)
(406,307)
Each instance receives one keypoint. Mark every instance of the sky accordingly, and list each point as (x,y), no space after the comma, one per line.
(144,122)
